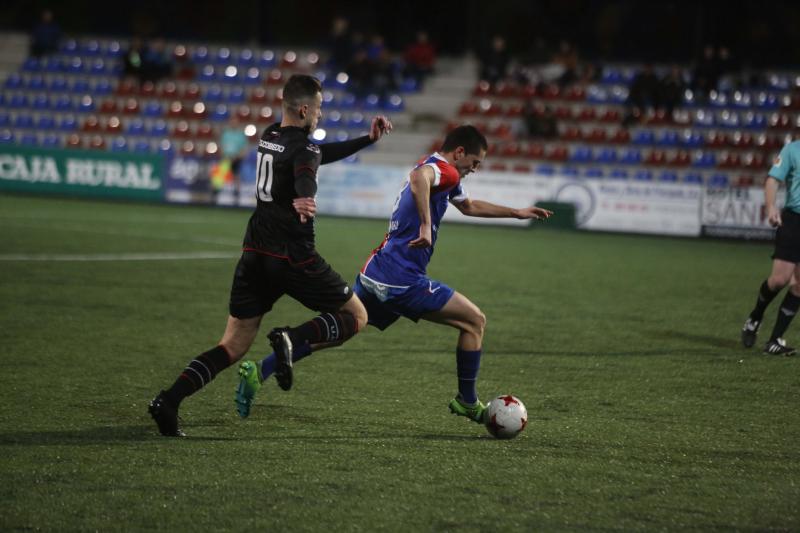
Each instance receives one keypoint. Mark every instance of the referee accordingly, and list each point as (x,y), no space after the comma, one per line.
(279,256)
(785,259)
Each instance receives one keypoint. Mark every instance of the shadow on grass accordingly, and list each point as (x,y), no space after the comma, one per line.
(91,436)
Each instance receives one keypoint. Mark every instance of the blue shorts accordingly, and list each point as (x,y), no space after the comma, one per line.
(385,303)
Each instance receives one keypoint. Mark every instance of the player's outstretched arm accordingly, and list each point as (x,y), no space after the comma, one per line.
(480,208)
(332,152)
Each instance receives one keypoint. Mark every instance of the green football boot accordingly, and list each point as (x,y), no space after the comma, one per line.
(474,412)
(249,383)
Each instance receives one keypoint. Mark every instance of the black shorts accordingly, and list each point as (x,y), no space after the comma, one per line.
(787,238)
(261,279)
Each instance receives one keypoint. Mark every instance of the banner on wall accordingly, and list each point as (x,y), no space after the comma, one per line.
(189,181)
(736,213)
(81,173)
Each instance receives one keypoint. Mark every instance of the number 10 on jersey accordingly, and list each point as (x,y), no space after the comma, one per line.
(264,185)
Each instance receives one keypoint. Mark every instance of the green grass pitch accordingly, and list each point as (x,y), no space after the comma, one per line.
(645,412)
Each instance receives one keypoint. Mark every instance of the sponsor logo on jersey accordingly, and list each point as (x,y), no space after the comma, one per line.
(313,148)
(777,161)
(270,146)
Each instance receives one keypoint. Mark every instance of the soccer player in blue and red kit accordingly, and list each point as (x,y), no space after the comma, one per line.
(394,283)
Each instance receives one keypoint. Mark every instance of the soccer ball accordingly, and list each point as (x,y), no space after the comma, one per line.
(506,417)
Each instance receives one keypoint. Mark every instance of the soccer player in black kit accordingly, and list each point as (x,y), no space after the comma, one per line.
(279,256)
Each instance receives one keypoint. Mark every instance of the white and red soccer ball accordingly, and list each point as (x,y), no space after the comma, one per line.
(506,417)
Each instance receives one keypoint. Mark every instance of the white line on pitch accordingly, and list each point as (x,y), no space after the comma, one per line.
(168,256)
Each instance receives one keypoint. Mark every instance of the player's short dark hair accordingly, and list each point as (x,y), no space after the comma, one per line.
(299,87)
(469,137)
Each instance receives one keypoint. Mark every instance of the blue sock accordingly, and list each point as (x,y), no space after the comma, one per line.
(468,363)
(268,363)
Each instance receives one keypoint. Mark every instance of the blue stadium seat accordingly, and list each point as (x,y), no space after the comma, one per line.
(342,135)
(53,65)
(200,54)
(693,139)
(703,118)
(236,95)
(409,85)
(594,172)
(328,99)
(37,83)
(581,154)
(693,178)
(394,103)
(152,109)
(92,48)
(704,160)
(75,66)
(29,139)
(23,121)
(135,127)
(59,85)
(545,170)
(597,95)
(668,176)
(40,102)
(230,74)
(643,175)
(717,99)
(332,119)
(6,137)
(208,73)
(159,128)
(63,103)
(245,57)
(119,144)
(669,138)
(31,65)
(221,113)
(611,75)
(69,46)
(266,59)
(347,101)
(51,140)
(765,100)
(719,180)
(13,82)
(142,147)
(646,137)
(166,147)
(223,56)
(18,101)
(5,120)
(80,86)
(114,49)
(98,67)
(618,174)
(45,122)
(371,102)
(103,88)
(631,156)
(68,123)
(356,120)
(570,172)
(214,94)
(755,121)
(606,156)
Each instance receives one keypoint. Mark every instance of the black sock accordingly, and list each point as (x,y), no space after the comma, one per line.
(327,327)
(201,370)
(788,309)
(765,296)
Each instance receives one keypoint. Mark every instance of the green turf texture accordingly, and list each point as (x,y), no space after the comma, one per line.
(645,412)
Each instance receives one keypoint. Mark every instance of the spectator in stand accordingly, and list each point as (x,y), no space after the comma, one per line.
(567,57)
(706,73)
(644,94)
(233,148)
(340,44)
(539,121)
(45,36)
(729,70)
(420,58)
(495,60)
(361,73)
(157,62)
(672,87)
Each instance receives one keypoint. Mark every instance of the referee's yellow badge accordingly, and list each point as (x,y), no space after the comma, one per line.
(777,161)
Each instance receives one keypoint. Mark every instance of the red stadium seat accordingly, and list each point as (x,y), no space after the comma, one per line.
(716,139)
(169,90)
(514,110)
(741,140)
(534,151)
(198,110)
(483,88)
(498,166)
(501,129)
(576,93)
(74,141)
(571,134)
(148,88)
(114,125)
(609,115)
(779,121)
(468,108)
(528,92)
(551,92)
(91,124)
(558,153)
(191,92)
(182,129)
(265,115)
(563,113)
(187,148)
(96,142)
(131,106)
(175,109)
(680,159)
(596,135)
(259,96)
(656,158)
(728,160)
(587,114)
(745,181)
(621,136)
(505,90)
(275,77)
(205,131)
(510,150)
(244,112)
(521,167)
(126,87)
(108,106)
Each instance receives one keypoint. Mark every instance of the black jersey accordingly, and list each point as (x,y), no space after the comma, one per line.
(287,165)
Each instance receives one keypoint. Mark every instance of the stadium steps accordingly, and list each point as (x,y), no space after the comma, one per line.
(13,51)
